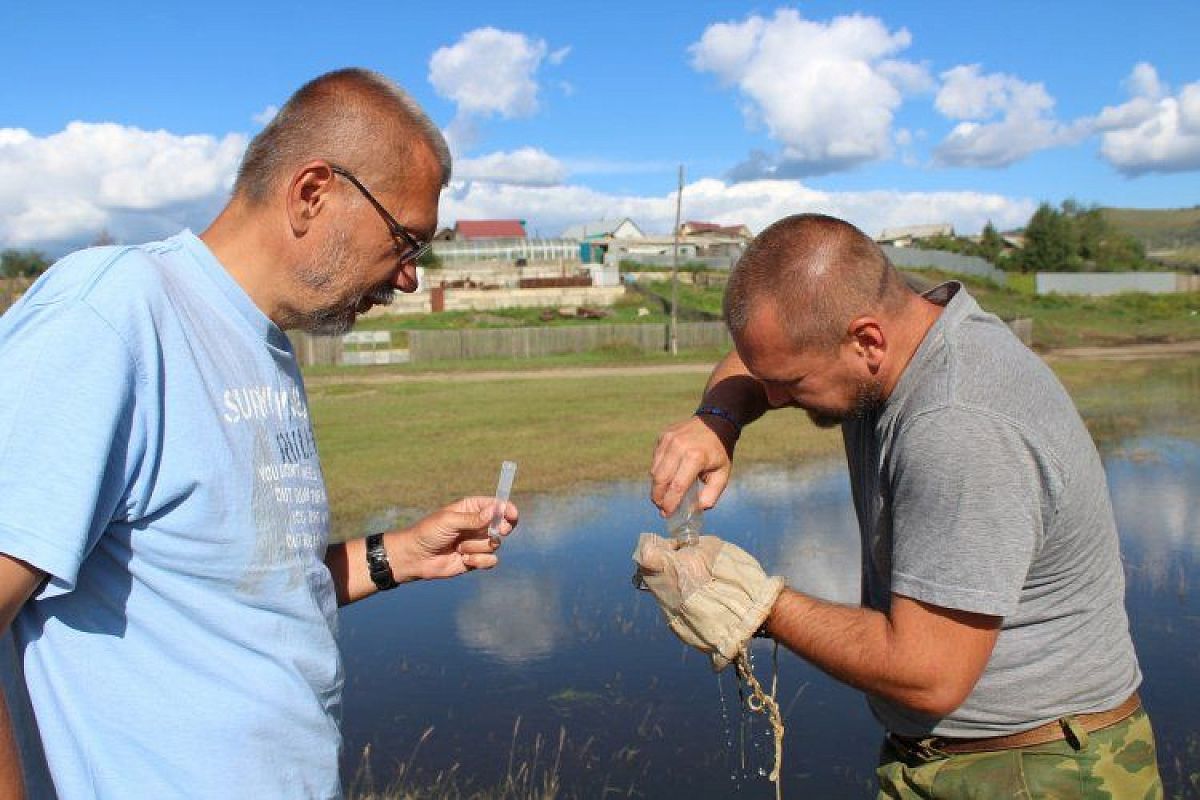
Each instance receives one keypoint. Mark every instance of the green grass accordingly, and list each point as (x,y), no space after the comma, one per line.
(406,448)
(625,310)
(410,447)
(1180,258)
(1071,321)
(1158,227)
(1118,399)
(704,299)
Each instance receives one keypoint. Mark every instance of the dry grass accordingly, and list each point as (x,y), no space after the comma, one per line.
(532,774)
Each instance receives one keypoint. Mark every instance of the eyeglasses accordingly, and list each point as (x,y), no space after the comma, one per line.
(408,246)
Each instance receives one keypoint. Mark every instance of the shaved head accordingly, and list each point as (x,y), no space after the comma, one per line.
(354,118)
(820,273)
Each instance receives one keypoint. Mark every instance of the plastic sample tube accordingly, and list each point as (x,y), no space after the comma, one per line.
(687,523)
(508,471)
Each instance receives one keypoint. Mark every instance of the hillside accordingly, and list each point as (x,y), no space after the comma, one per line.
(1171,235)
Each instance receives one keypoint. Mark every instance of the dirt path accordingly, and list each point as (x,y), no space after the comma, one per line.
(508,375)
(1129,352)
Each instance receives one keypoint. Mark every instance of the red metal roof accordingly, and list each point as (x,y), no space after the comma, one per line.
(490,229)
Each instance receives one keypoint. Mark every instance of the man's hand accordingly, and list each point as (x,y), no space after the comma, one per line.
(449,542)
(713,594)
(699,447)
(444,544)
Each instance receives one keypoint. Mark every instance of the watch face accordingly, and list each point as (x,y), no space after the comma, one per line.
(377,563)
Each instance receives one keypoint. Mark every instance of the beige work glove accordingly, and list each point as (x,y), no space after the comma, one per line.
(713,594)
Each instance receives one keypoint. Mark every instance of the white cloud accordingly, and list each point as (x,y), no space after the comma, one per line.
(266,115)
(60,190)
(1025,125)
(491,72)
(527,166)
(1155,131)
(550,209)
(826,92)
(515,619)
(966,94)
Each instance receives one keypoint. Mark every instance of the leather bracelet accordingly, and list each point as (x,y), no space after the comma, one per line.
(717,411)
(378,564)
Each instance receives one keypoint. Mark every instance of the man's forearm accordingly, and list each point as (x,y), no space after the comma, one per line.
(347,564)
(928,660)
(731,387)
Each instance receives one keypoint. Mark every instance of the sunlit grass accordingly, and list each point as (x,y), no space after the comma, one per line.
(417,445)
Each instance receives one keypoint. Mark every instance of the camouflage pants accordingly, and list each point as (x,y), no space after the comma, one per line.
(1115,763)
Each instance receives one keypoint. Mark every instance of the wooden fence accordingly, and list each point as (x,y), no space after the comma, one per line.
(382,347)
(536,342)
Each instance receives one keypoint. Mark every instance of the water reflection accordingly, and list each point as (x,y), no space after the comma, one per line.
(813,527)
(512,618)
(560,636)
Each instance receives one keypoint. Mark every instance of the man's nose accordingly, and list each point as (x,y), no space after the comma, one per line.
(406,277)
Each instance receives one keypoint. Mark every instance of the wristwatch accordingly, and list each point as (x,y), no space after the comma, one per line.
(377,563)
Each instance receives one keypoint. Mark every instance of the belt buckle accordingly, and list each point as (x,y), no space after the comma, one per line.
(923,748)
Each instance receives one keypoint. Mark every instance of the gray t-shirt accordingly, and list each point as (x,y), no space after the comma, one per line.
(978,488)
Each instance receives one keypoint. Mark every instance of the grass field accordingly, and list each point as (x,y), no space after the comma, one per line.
(392,451)
(1158,227)
(1062,321)
(626,310)
(408,447)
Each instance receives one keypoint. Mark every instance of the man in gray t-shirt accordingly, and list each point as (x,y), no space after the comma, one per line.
(992,619)
(978,488)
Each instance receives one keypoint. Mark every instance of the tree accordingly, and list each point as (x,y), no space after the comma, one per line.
(103,239)
(991,245)
(1078,237)
(1049,242)
(23,263)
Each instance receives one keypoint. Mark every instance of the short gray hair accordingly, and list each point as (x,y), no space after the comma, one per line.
(352,116)
(820,273)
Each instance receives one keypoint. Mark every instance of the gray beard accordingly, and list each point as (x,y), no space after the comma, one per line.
(339,318)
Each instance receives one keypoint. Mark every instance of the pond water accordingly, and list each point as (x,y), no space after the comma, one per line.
(554,659)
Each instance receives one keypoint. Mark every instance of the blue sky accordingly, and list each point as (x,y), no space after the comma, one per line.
(130,118)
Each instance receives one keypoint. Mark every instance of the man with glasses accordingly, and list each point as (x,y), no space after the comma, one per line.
(165,562)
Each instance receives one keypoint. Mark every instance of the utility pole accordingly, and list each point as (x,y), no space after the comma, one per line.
(674,334)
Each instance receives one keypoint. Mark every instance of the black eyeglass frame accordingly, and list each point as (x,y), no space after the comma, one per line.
(410,248)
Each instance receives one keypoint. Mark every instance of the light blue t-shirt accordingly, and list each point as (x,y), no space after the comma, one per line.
(157,460)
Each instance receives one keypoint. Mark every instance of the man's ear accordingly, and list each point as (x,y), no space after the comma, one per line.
(307,194)
(868,340)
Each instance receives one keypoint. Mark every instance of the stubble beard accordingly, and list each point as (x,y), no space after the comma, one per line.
(868,398)
(339,316)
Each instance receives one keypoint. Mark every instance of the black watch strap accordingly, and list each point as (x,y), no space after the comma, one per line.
(378,565)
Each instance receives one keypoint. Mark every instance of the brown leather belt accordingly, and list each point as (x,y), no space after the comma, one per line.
(1042,734)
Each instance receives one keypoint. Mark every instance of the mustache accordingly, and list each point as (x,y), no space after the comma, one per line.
(381,295)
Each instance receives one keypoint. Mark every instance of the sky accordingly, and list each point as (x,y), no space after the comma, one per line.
(130,118)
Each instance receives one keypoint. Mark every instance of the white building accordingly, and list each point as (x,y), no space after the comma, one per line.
(624,228)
